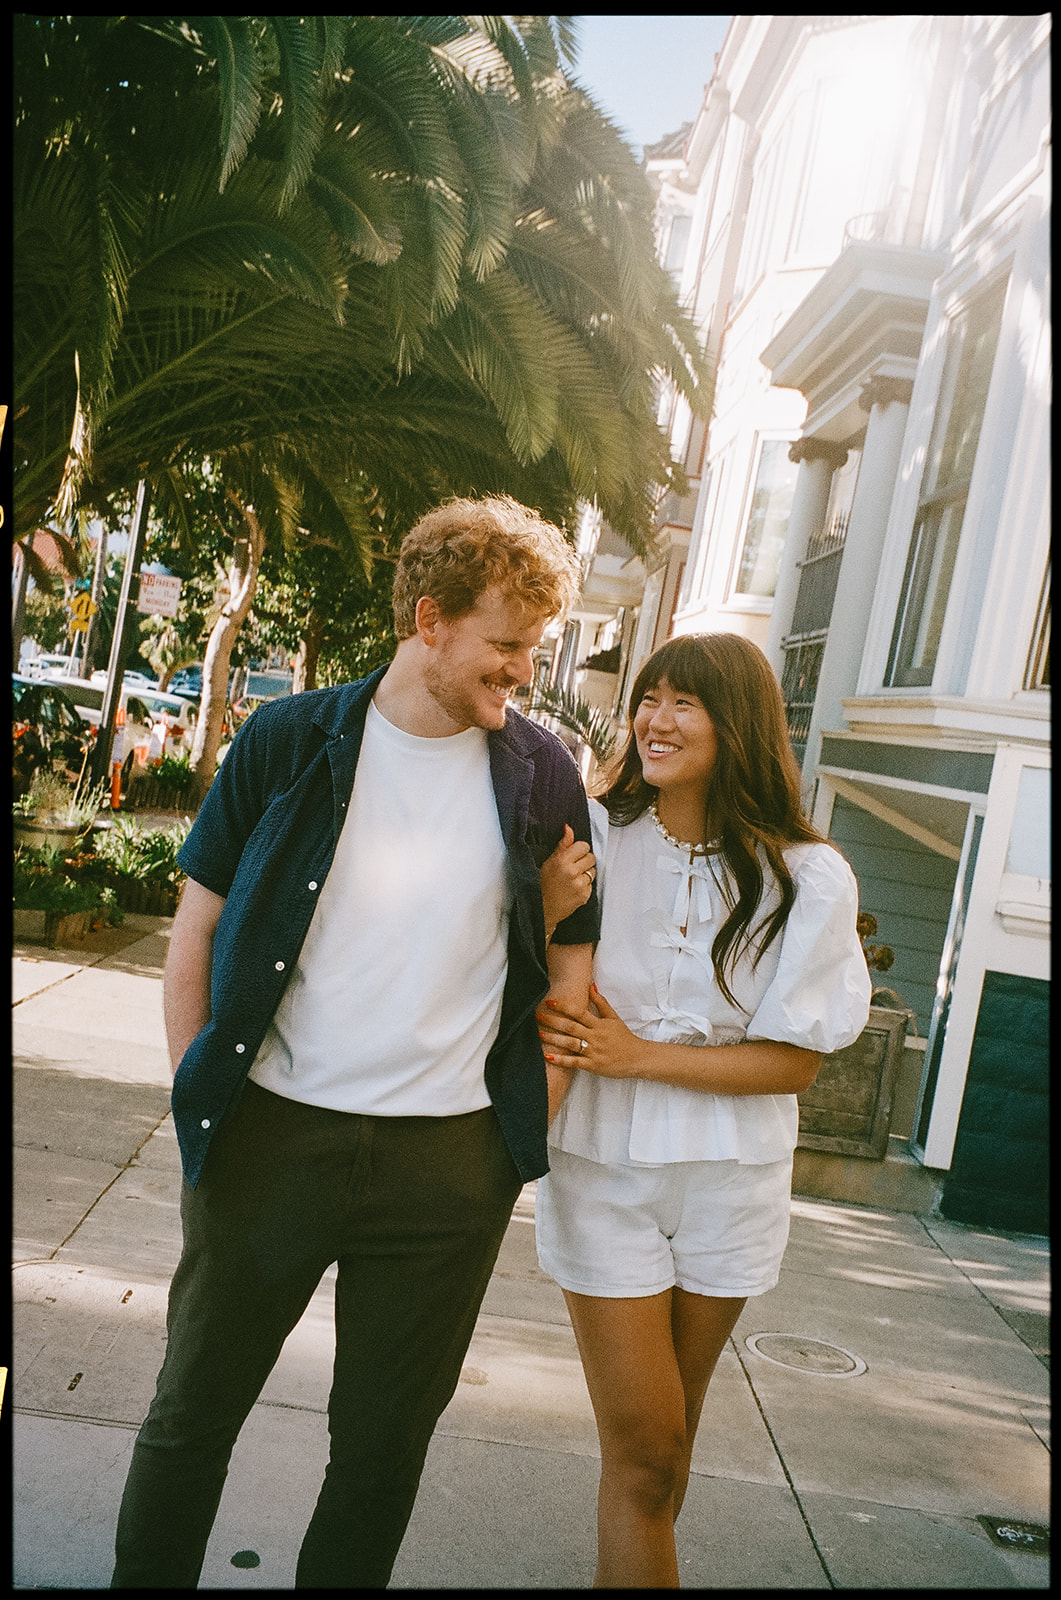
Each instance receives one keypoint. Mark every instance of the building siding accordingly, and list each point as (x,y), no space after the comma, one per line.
(909,889)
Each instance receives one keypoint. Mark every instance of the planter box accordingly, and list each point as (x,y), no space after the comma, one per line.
(848,1107)
(28,925)
(150,899)
(148,794)
(65,929)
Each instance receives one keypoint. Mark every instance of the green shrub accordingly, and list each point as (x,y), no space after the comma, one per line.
(169,769)
(135,851)
(41,883)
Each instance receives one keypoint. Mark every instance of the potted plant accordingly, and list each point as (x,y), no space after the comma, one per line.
(573,713)
(848,1107)
(54,815)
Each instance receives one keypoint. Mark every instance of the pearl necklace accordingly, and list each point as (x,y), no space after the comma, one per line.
(680,844)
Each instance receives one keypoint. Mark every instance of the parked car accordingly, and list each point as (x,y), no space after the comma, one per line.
(132,680)
(257,689)
(135,741)
(177,715)
(49,666)
(190,678)
(47,731)
(268,685)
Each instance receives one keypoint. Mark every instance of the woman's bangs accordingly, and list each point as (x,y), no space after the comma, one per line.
(681,664)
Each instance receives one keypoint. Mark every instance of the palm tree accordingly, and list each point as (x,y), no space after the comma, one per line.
(246,239)
(202,281)
(138,249)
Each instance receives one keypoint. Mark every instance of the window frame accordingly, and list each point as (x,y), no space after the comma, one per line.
(747,599)
(932,552)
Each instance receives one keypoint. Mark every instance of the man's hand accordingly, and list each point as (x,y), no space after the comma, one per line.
(567,879)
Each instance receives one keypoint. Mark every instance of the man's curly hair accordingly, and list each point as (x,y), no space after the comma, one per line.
(464,547)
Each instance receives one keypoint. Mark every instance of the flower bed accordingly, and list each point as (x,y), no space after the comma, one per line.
(149,897)
(71,907)
(124,867)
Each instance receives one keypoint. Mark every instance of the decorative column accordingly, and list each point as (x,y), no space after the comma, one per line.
(817,460)
(888,402)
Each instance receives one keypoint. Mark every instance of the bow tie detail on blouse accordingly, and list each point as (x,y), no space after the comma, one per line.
(679,1025)
(692,901)
(688,945)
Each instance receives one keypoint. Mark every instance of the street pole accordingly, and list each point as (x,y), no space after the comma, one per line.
(101,755)
(98,578)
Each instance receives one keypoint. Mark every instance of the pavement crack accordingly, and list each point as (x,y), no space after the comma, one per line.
(788,1476)
(125,1167)
(49,986)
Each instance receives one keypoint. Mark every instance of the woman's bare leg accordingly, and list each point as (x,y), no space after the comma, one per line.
(700,1325)
(648,1362)
(634,1383)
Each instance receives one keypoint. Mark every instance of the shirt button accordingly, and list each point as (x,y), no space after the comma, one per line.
(313,885)
(279,966)
(205,1122)
(240,1049)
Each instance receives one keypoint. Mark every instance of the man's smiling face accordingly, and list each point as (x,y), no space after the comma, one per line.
(477,661)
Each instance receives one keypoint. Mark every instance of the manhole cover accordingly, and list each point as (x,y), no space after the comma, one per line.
(805,1355)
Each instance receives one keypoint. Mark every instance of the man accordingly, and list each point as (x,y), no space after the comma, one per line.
(350,1002)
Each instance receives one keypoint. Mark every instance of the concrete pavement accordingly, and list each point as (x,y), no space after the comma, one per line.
(879,1420)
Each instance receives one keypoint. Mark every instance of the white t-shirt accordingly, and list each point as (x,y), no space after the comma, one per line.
(396,996)
(811,989)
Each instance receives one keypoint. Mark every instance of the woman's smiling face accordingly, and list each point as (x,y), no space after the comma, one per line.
(676,739)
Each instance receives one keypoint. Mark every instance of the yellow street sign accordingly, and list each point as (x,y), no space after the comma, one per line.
(83,606)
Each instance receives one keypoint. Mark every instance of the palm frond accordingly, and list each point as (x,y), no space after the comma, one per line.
(300,45)
(234,44)
(572,712)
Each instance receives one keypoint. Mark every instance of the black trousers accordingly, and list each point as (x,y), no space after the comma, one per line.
(413,1210)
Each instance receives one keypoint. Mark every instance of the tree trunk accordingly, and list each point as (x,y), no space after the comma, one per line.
(18,607)
(309,651)
(243,580)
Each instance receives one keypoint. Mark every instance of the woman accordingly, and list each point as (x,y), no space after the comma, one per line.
(728,964)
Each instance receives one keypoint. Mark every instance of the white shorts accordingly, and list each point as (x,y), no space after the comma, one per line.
(711,1227)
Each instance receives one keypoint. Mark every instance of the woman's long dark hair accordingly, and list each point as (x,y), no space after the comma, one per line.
(753,800)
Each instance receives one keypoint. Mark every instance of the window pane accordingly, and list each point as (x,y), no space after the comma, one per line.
(971,358)
(768,520)
(928,585)
(678,243)
(944,490)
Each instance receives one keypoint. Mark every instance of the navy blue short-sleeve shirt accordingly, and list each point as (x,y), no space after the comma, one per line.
(264,840)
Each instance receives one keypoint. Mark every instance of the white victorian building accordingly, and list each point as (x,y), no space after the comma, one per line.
(859,216)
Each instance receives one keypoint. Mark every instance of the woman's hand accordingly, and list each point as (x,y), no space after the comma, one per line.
(609,1049)
(567,879)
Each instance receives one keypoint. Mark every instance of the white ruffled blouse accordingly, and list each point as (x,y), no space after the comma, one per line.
(811,989)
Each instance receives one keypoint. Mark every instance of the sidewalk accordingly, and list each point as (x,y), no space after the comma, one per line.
(890,1393)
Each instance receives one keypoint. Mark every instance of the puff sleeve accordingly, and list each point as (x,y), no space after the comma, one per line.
(819,995)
